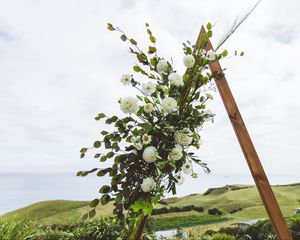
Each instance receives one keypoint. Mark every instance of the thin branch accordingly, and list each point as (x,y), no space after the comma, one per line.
(236,24)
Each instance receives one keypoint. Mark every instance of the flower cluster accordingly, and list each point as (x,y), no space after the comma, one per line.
(151,144)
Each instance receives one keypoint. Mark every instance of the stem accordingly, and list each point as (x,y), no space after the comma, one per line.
(141,228)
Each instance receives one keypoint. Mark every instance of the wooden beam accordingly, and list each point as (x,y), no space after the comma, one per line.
(248,149)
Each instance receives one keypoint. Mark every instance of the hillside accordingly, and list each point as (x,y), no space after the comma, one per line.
(244,201)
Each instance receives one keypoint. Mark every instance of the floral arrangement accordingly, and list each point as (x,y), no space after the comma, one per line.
(151,148)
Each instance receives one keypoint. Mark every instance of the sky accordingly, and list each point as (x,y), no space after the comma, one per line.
(60,66)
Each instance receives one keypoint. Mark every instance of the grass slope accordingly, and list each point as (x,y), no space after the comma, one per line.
(226,199)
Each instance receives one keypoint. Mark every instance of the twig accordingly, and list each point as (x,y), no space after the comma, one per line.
(236,24)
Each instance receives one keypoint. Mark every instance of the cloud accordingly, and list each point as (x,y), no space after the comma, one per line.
(59,67)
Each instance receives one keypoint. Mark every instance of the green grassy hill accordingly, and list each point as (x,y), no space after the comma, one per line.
(227,199)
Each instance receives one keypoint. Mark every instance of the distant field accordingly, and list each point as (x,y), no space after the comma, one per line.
(227,199)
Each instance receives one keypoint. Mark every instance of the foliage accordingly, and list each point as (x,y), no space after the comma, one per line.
(100,229)
(188,208)
(150,148)
(294,225)
(214,211)
(18,230)
(222,236)
(164,223)
(262,230)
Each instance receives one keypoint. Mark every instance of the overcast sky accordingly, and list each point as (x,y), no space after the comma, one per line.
(60,66)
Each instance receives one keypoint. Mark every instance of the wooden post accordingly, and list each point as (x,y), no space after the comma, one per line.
(248,149)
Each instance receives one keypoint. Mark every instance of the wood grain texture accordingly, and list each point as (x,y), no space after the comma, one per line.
(248,149)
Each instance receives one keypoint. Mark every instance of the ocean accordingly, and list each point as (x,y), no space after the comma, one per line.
(18,190)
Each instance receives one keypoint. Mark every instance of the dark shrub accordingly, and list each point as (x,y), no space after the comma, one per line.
(187,208)
(294,225)
(198,209)
(214,211)
(234,231)
(235,210)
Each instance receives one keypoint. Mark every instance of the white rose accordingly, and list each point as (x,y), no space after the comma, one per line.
(148,184)
(148,88)
(187,168)
(189,61)
(176,153)
(146,139)
(184,137)
(150,154)
(138,145)
(148,108)
(175,79)
(162,66)
(180,179)
(169,104)
(126,79)
(129,105)
(210,55)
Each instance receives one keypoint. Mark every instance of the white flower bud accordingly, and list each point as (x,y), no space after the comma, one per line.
(184,137)
(148,108)
(175,79)
(189,61)
(169,104)
(129,105)
(150,154)
(148,184)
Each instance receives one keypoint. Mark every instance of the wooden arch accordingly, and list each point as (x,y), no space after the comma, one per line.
(255,166)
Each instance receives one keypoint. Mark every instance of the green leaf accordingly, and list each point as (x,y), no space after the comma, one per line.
(92,213)
(209,34)
(225,53)
(136,68)
(94,203)
(82,155)
(101,173)
(141,205)
(133,41)
(105,189)
(151,49)
(105,199)
(104,132)
(153,61)
(142,58)
(83,150)
(97,144)
(100,116)
(111,120)
(110,27)
(110,155)
(103,159)
(242,54)
(78,174)
(104,171)
(85,216)
(209,26)
(97,155)
(152,39)
(123,37)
